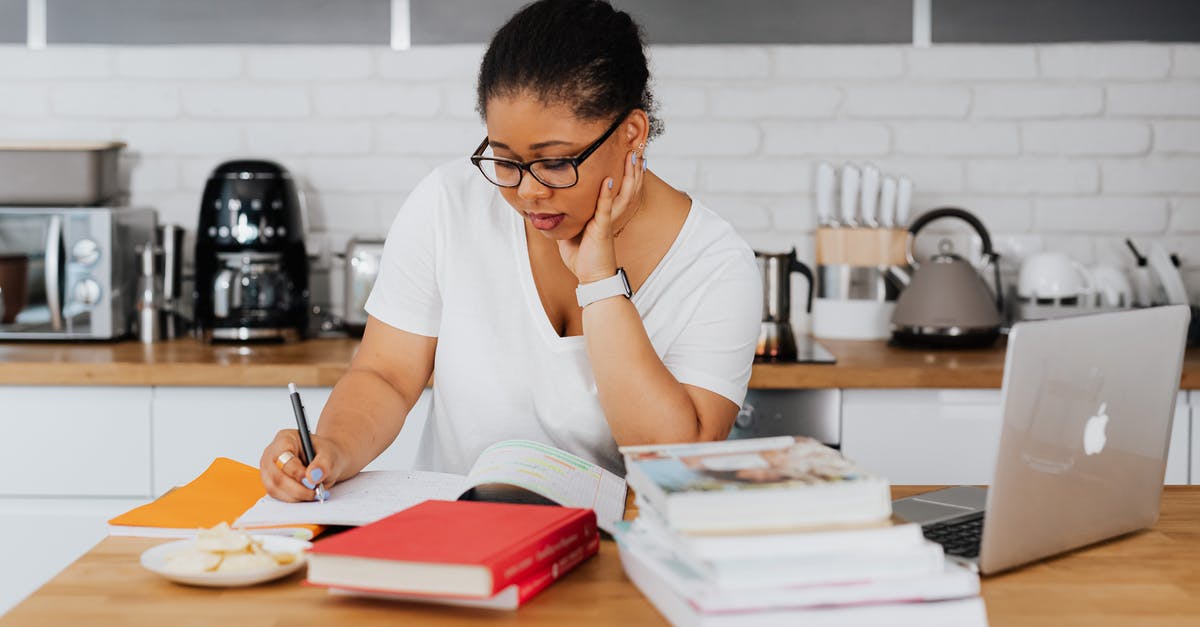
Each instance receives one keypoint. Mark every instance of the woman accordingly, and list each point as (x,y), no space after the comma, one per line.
(506,274)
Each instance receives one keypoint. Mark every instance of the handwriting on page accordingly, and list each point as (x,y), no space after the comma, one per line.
(366,497)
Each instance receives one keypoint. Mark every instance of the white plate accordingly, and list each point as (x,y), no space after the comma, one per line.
(154,560)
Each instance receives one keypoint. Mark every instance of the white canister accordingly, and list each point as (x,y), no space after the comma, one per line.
(851,319)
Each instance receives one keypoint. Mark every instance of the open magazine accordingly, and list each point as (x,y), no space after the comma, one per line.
(511,471)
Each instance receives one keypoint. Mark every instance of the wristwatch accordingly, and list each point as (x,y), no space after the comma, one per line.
(615,285)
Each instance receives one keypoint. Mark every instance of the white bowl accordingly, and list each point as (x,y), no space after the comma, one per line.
(154,560)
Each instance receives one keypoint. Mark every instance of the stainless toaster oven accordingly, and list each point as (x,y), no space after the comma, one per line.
(70,273)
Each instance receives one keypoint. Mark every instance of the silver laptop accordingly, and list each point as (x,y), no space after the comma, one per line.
(1087,403)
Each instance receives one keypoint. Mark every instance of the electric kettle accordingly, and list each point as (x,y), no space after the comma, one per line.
(946,302)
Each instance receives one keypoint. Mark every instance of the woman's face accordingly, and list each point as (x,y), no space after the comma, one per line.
(525,129)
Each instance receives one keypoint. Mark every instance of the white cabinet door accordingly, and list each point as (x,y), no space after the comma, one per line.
(41,536)
(923,437)
(1177,454)
(194,425)
(1194,471)
(75,441)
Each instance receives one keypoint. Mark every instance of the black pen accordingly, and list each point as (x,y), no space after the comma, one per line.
(308,454)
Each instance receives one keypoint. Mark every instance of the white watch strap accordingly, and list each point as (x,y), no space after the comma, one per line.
(615,285)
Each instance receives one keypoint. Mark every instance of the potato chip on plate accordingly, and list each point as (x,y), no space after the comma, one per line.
(224,557)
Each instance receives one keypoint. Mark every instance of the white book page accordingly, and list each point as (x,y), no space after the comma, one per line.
(364,498)
(555,474)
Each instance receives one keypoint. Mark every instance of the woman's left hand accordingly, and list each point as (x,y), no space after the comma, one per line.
(590,255)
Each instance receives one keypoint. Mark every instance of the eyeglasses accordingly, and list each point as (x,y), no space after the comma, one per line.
(555,172)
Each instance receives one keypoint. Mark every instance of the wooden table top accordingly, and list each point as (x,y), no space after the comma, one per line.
(322,362)
(1146,578)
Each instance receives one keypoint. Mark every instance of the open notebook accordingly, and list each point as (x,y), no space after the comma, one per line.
(511,471)
(220,494)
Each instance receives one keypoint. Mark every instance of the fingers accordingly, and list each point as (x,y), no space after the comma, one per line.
(604,206)
(631,182)
(284,483)
(320,470)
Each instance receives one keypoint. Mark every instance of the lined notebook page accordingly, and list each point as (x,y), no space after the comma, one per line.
(366,497)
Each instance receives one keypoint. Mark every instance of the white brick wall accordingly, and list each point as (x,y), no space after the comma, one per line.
(908,100)
(208,62)
(316,64)
(1085,138)
(1058,146)
(1037,100)
(1132,61)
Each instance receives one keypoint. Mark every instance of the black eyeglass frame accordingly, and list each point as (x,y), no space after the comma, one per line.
(477,159)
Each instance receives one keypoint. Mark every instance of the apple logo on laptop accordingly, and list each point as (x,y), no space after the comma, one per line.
(1094,438)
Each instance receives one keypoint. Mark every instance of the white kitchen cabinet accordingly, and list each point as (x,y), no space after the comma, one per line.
(75,441)
(194,425)
(1194,466)
(923,437)
(952,436)
(41,536)
(1177,453)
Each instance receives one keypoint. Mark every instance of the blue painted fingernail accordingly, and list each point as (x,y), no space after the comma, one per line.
(316,475)
(634,158)
(308,484)
(610,183)
(643,164)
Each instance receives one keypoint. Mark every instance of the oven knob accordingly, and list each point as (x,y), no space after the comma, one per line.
(87,292)
(86,252)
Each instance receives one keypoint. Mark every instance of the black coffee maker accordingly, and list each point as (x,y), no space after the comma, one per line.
(251,266)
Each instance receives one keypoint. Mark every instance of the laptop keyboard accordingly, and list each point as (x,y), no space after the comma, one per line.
(958,537)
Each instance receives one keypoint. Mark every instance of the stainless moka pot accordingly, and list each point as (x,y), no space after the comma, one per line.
(776,341)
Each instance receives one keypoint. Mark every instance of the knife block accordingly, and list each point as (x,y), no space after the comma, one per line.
(855,299)
(861,247)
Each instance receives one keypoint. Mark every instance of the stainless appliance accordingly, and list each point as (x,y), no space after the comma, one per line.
(776,340)
(170,239)
(251,268)
(947,303)
(70,273)
(362,267)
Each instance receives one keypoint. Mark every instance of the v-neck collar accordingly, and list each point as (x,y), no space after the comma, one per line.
(520,238)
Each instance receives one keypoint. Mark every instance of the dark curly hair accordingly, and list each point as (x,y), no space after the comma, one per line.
(582,53)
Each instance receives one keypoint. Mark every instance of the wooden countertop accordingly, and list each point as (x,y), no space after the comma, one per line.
(1146,578)
(321,362)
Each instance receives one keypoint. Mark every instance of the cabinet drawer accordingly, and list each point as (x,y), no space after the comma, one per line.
(923,437)
(75,441)
(194,425)
(1177,454)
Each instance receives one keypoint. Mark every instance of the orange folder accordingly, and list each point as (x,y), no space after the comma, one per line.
(223,492)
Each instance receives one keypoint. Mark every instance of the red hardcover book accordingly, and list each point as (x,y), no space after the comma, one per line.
(510,598)
(462,549)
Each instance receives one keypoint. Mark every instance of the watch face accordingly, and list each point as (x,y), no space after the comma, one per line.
(625,282)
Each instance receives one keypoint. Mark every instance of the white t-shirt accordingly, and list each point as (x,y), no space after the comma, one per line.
(456,267)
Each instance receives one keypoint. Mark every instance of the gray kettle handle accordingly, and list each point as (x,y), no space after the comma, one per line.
(989,254)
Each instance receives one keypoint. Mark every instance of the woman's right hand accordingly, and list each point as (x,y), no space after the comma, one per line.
(287,483)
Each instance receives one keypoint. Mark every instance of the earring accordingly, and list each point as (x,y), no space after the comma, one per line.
(642,146)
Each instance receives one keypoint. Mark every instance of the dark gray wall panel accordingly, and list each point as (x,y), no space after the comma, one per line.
(1041,21)
(12,21)
(693,21)
(218,21)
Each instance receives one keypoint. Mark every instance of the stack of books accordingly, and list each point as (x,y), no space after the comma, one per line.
(466,553)
(781,531)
